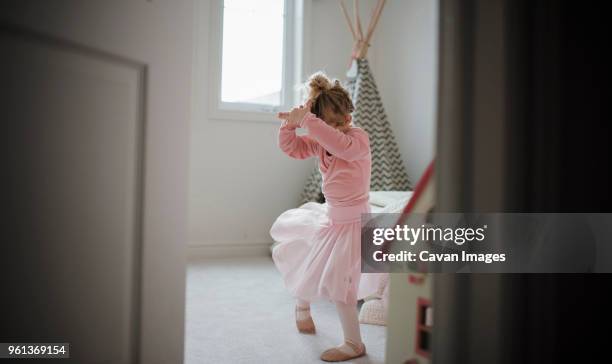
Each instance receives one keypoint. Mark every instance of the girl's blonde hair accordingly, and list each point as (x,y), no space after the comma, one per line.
(330,98)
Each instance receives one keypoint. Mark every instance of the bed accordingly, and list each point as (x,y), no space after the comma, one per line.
(389,201)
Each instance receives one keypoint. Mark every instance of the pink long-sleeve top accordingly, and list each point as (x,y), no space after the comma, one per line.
(344,158)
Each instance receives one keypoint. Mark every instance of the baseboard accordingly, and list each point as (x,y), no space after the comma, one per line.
(229,250)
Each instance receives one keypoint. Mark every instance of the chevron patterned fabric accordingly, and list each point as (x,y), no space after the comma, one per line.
(388,170)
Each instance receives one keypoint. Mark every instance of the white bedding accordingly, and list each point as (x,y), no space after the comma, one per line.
(389,201)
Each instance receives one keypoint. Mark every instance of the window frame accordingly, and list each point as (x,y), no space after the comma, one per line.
(293,40)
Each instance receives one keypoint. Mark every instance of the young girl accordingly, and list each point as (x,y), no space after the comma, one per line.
(319,248)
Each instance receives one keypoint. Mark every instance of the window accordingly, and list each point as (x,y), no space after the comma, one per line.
(253,33)
(255,69)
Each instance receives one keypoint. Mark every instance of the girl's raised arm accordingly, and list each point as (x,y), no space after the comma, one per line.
(295,146)
(354,145)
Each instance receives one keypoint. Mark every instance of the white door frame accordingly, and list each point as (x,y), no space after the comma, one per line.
(155,38)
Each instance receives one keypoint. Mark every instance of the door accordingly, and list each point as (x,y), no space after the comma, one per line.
(95,107)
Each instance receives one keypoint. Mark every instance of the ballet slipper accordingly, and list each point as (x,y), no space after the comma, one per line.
(305,326)
(335,354)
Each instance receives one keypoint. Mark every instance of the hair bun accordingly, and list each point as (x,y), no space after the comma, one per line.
(318,83)
(327,95)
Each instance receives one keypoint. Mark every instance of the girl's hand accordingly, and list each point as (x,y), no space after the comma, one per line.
(295,116)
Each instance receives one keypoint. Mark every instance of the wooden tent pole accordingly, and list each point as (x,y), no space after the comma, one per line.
(357,19)
(348,19)
(360,49)
(374,21)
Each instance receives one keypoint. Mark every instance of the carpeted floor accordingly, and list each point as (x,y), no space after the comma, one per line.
(238,311)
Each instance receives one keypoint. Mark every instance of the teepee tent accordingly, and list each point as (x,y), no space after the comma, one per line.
(388,170)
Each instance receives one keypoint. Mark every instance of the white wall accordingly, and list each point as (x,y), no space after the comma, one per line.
(404,62)
(331,39)
(240,181)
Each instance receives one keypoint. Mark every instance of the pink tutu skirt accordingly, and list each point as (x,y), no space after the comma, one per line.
(319,252)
